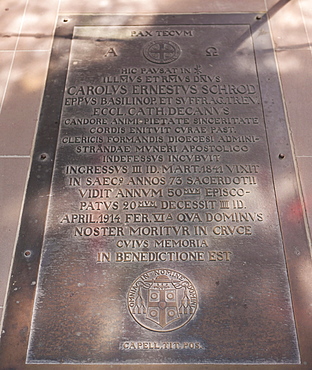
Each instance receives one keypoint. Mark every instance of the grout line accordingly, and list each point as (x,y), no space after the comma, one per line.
(13,57)
(14,156)
(19,51)
(266,6)
(304,156)
(35,50)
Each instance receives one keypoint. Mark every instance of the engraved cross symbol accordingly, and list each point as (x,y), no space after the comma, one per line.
(162,304)
(164,49)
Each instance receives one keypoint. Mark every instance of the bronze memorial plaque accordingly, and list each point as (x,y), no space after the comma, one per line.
(160,212)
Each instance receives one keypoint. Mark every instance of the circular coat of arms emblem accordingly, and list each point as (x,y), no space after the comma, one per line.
(162,52)
(162,300)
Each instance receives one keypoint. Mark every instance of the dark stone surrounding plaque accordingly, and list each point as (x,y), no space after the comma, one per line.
(162,205)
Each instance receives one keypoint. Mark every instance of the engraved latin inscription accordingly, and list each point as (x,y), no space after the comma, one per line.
(162,235)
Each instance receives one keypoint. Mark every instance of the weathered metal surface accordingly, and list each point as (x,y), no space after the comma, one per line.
(164,240)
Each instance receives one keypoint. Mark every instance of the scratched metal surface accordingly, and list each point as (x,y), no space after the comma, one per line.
(162,238)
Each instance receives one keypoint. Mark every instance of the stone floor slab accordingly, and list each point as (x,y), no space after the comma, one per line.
(296,78)
(12,186)
(11,17)
(6,58)
(38,25)
(305,170)
(22,102)
(162,6)
(286,21)
(306,8)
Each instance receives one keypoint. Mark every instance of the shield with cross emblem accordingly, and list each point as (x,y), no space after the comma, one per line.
(162,300)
